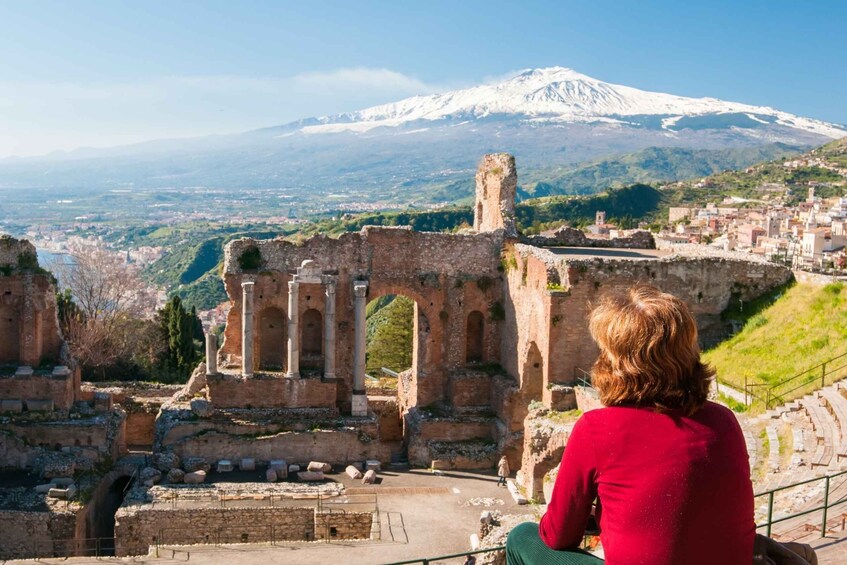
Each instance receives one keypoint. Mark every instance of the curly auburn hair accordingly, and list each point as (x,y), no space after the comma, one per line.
(649,354)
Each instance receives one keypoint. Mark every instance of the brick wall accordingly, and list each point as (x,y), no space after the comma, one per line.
(269,391)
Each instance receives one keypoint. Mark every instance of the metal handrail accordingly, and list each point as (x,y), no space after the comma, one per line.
(428,560)
(772,397)
(768,524)
(582,377)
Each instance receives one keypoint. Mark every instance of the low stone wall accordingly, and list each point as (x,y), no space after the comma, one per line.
(336,525)
(338,447)
(572,237)
(137,528)
(87,440)
(37,534)
(816,279)
(38,387)
(268,391)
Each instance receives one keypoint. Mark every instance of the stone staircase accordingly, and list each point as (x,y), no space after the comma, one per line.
(795,442)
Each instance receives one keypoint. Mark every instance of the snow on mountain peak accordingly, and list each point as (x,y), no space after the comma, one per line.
(553,94)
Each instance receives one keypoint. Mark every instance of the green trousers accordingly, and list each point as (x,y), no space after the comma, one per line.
(524,547)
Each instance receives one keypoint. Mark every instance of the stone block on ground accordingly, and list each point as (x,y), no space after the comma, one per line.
(63,482)
(310,476)
(474,542)
(281,468)
(202,407)
(372,465)
(319,466)
(225,466)
(439,465)
(44,489)
(247,464)
(353,472)
(271,476)
(516,494)
(369,478)
(293,469)
(195,478)
(166,461)
(150,476)
(486,517)
(62,493)
(103,402)
(176,476)
(40,405)
(14,406)
(192,464)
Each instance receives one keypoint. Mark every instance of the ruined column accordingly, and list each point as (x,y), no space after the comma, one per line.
(247,329)
(293,330)
(329,330)
(360,398)
(211,353)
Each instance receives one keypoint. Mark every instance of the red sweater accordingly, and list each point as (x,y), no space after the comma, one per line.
(674,489)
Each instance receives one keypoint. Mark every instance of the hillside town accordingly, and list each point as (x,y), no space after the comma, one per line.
(810,236)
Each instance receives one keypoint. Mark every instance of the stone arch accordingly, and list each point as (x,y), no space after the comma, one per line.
(273,333)
(532,375)
(10,345)
(311,336)
(425,352)
(474,337)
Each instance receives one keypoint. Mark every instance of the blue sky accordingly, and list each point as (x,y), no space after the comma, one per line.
(87,73)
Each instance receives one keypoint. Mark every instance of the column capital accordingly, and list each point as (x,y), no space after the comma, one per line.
(293,284)
(360,288)
(247,285)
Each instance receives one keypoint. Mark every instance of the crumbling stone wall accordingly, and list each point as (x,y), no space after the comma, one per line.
(448,276)
(496,186)
(38,534)
(567,236)
(28,319)
(139,527)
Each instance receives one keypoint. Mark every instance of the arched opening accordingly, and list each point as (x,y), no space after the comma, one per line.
(9,329)
(390,336)
(311,335)
(532,376)
(474,333)
(273,333)
(101,517)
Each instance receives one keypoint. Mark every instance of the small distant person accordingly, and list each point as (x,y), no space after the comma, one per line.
(470,560)
(503,471)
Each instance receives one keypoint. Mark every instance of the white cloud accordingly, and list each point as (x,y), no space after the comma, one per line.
(39,117)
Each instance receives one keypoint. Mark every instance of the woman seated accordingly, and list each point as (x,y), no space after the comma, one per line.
(668,469)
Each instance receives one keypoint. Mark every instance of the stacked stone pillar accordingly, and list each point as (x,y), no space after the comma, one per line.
(247,329)
(211,353)
(329,330)
(360,398)
(293,371)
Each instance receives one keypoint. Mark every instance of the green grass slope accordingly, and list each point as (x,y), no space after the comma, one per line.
(801,328)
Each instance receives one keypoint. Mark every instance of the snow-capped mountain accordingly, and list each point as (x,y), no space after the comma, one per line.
(425,149)
(558,94)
